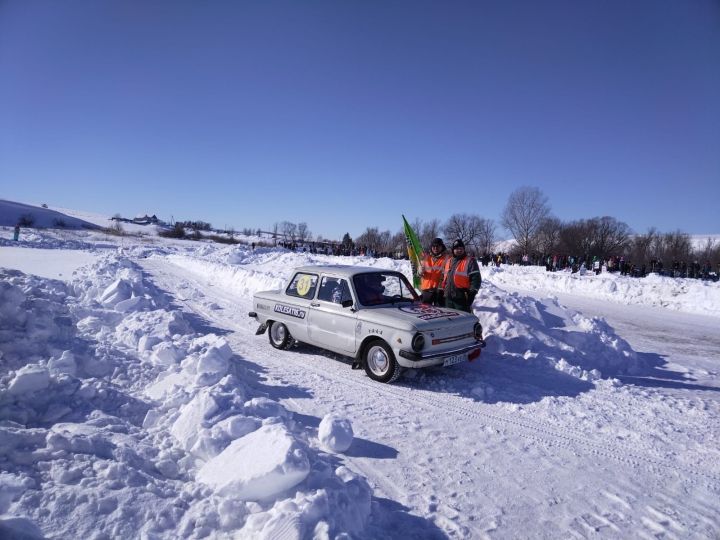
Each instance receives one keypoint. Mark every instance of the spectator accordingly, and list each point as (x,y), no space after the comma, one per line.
(16,234)
(462,279)
(431,273)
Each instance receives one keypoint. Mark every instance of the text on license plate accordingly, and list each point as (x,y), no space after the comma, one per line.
(450,360)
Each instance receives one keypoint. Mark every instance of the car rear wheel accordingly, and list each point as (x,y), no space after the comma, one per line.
(279,335)
(380,363)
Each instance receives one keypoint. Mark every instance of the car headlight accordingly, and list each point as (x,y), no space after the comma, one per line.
(418,342)
(477,331)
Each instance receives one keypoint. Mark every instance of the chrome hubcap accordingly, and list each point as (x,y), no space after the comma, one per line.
(378,360)
(278,332)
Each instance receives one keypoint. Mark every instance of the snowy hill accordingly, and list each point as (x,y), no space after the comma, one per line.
(136,401)
(13,212)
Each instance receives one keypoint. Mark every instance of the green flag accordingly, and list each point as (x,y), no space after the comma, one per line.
(415,252)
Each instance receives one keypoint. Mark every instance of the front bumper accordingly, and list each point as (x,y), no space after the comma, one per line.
(419,360)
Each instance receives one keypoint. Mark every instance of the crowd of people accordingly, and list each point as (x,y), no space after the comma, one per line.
(619,264)
(552,262)
(337,249)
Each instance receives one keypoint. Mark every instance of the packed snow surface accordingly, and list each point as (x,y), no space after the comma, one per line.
(136,401)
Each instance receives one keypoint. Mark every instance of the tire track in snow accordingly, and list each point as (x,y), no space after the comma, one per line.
(535,430)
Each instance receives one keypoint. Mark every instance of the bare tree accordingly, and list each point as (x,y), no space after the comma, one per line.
(398,244)
(275,229)
(458,227)
(289,230)
(669,248)
(600,236)
(370,239)
(486,236)
(385,243)
(548,235)
(476,233)
(611,237)
(677,246)
(575,238)
(657,246)
(303,233)
(644,247)
(523,214)
(709,251)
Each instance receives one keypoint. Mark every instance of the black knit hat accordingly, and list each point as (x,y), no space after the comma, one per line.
(458,243)
(437,242)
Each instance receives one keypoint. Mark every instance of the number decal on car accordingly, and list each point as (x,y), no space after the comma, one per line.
(303,285)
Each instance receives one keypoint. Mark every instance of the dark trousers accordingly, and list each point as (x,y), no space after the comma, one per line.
(434,297)
(460,299)
(456,304)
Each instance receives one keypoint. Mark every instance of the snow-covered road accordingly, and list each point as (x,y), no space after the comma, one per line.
(501,447)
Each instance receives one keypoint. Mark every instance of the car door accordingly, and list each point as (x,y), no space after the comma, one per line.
(331,325)
(294,307)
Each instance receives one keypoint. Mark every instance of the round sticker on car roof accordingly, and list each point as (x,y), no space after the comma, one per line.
(303,285)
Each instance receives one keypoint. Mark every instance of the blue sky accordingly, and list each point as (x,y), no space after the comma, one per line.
(345,115)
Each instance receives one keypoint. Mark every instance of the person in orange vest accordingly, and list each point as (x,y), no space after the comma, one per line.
(462,279)
(431,273)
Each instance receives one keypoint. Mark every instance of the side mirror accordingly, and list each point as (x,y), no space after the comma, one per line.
(347,303)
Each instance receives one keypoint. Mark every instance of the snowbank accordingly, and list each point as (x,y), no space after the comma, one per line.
(678,294)
(115,416)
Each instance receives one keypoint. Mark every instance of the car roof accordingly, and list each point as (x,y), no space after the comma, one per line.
(340,270)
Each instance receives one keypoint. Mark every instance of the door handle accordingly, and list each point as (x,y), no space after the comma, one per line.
(314,304)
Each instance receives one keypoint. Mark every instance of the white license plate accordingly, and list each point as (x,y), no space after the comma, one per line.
(450,360)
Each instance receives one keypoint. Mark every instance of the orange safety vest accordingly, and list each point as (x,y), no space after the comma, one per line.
(460,277)
(432,271)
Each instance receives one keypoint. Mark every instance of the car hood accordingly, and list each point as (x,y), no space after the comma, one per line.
(421,316)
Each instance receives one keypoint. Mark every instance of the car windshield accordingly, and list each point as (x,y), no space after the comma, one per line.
(378,288)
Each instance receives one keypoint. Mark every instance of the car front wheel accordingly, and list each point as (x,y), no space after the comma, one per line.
(279,335)
(380,363)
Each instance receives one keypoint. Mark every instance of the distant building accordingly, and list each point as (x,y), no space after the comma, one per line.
(146,220)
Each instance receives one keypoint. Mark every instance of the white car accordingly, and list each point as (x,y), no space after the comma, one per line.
(374,316)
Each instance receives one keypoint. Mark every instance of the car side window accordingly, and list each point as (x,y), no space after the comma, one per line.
(334,290)
(302,285)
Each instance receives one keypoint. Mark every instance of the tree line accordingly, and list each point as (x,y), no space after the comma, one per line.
(537,233)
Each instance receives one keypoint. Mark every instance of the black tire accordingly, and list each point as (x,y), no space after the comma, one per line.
(380,363)
(279,335)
